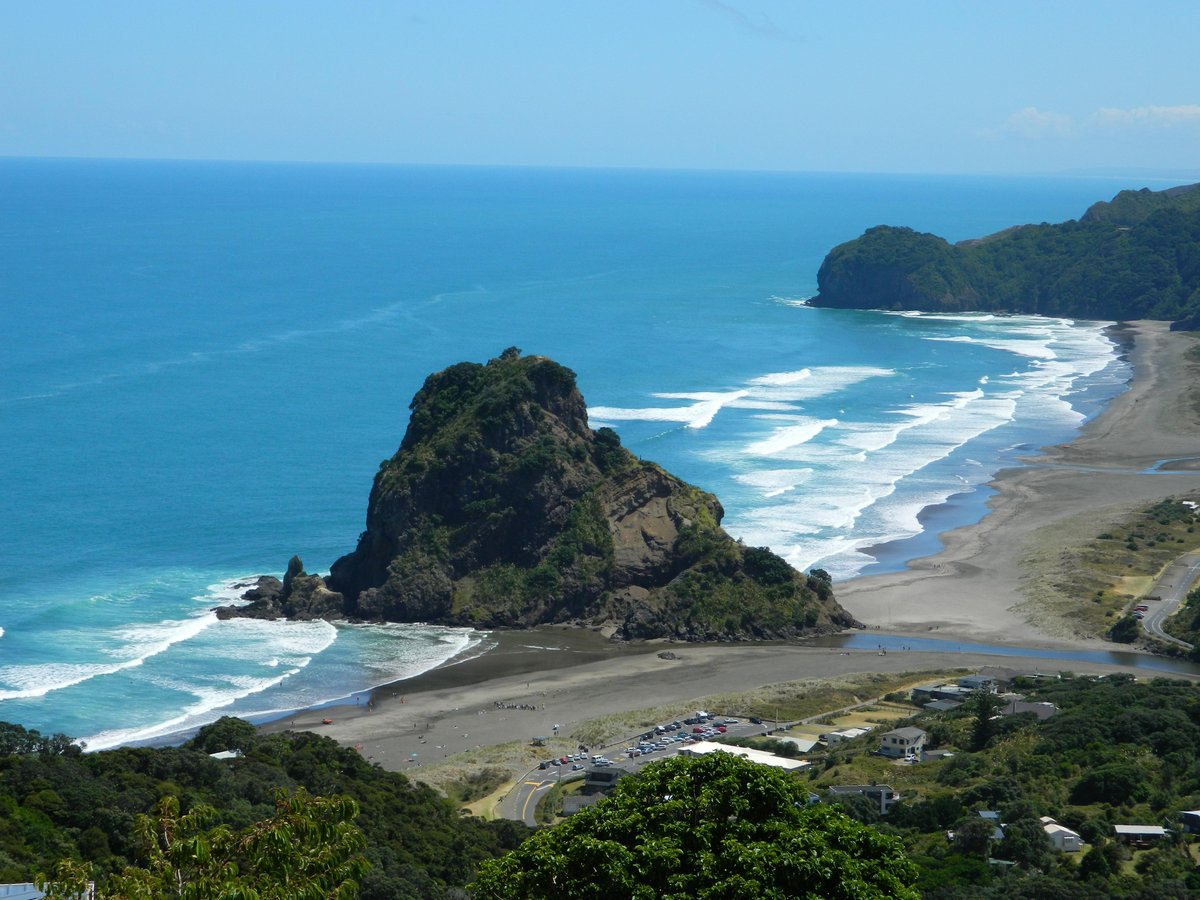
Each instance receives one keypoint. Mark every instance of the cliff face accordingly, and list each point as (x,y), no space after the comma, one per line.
(503,508)
(1137,256)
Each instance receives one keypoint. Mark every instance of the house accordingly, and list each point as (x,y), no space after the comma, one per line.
(903,743)
(603,779)
(990,815)
(880,793)
(227,754)
(846,734)
(979,683)
(1042,710)
(943,705)
(924,693)
(29,891)
(1064,839)
(1139,835)
(802,745)
(1191,821)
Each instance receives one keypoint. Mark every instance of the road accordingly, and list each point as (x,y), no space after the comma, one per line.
(521,802)
(1172,587)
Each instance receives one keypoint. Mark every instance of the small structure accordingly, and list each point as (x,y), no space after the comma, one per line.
(846,734)
(1140,835)
(803,745)
(903,743)
(599,780)
(1063,838)
(979,682)
(29,891)
(1042,710)
(880,793)
(224,754)
(1191,821)
(943,705)
(993,818)
(702,748)
(927,692)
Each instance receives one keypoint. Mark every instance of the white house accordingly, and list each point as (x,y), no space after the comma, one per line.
(903,743)
(846,734)
(881,793)
(1064,839)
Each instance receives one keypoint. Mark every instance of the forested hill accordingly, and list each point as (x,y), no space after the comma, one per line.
(1135,257)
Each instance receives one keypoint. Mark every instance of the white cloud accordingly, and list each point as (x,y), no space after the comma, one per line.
(1032,122)
(1148,115)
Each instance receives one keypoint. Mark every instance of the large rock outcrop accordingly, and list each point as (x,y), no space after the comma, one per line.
(503,508)
(1135,257)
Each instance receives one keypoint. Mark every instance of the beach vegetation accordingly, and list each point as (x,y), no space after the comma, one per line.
(1086,583)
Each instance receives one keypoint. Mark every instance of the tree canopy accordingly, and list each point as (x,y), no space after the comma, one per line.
(705,827)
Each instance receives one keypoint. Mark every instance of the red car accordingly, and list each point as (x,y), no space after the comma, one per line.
(722,729)
(564,759)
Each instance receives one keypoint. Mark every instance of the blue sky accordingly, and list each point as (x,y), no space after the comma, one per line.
(1015,87)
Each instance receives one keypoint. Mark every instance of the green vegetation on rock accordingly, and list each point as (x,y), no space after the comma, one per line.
(503,508)
(1136,257)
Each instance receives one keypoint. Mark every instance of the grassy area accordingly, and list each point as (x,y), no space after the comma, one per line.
(787,701)
(1082,578)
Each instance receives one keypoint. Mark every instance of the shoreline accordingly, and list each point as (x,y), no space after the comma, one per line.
(973,587)
(972,590)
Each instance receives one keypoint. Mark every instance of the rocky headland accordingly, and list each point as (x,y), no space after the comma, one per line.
(1134,257)
(503,508)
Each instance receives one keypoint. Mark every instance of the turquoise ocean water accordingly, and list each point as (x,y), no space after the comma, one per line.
(203,365)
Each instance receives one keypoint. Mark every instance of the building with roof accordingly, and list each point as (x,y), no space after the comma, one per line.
(846,734)
(1139,835)
(701,748)
(979,682)
(903,743)
(1043,710)
(1191,821)
(1061,837)
(883,794)
(803,745)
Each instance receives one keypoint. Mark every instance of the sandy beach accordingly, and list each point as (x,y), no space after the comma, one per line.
(976,588)
(973,590)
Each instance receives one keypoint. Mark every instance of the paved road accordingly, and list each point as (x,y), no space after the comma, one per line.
(522,800)
(1172,587)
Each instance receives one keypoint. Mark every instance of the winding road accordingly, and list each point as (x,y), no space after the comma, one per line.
(1171,588)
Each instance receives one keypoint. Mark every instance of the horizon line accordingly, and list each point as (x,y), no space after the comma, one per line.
(1134,172)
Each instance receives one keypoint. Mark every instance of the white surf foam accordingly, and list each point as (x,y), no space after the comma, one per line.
(138,644)
(789,436)
(773,482)
(698,415)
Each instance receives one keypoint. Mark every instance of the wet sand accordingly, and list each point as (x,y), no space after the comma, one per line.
(973,590)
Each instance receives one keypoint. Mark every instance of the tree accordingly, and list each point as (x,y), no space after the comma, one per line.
(973,836)
(713,826)
(984,704)
(308,850)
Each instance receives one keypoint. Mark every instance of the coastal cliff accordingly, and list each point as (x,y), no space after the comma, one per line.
(1135,257)
(503,508)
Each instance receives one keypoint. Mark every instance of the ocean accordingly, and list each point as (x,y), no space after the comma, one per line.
(205,363)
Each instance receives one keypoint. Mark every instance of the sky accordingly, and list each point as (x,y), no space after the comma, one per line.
(923,86)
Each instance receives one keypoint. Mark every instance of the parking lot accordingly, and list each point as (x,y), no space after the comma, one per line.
(665,739)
